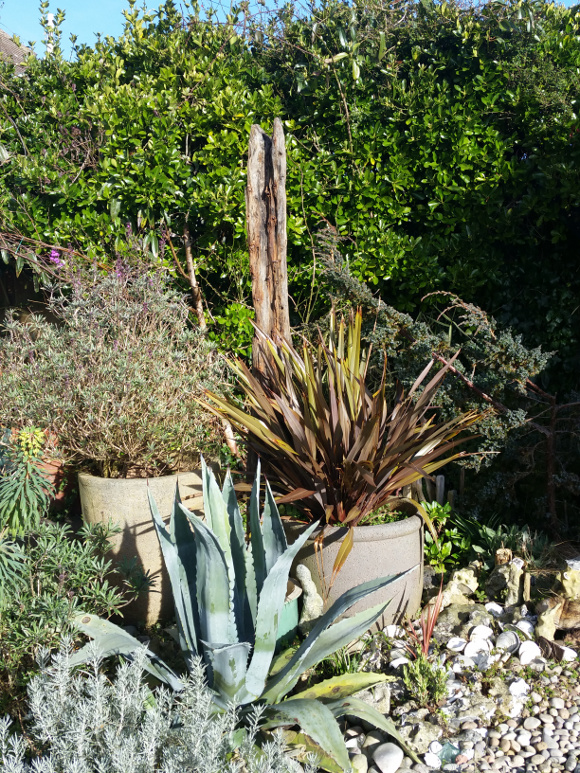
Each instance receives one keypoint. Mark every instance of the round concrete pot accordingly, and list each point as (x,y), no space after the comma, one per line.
(377,551)
(124,501)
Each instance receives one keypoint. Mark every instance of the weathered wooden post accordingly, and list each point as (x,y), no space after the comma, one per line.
(266,224)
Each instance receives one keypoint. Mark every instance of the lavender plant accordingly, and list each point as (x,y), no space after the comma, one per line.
(113,375)
(89,723)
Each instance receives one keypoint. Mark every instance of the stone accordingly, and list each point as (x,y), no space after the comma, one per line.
(497,580)
(420,735)
(388,757)
(467,576)
(432,761)
(312,603)
(515,583)
(359,763)
(373,740)
(531,723)
(456,644)
(519,688)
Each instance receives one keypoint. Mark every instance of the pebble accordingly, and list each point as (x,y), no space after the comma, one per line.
(388,757)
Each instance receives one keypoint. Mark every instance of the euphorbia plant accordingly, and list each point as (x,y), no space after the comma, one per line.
(330,443)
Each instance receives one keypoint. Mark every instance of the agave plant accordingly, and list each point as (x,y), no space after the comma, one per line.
(229,593)
(325,439)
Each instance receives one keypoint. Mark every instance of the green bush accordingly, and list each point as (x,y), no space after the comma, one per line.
(114,377)
(58,573)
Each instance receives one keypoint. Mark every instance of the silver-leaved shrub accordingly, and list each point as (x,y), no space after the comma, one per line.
(89,723)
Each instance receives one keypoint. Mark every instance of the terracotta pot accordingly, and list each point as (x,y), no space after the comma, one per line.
(124,501)
(377,551)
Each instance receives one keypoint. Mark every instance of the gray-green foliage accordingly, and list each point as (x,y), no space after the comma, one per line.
(113,375)
(229,594)
(89,723)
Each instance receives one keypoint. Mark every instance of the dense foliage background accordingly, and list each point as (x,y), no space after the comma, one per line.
(431,147)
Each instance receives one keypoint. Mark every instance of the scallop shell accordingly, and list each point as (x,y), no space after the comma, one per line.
(528,651)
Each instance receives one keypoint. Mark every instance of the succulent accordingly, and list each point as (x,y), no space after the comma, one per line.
(229,593)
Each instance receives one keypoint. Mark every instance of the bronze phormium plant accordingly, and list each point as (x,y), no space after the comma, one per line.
(329,442)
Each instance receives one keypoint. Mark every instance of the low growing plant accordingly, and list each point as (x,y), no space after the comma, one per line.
(425,680)
(114,377)
(86,722)
(229,594)
(52,574)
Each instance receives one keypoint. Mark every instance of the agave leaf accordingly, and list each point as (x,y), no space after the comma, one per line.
(245,593)
(270,606)
(256,536)
(342,686)
(325,638)
(229,665)
(362,710)
(303,747)
(217,624)
(113,640)
(316,720)
(273,532)
(178,548)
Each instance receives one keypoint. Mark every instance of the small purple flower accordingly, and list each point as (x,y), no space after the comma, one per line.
(55,258)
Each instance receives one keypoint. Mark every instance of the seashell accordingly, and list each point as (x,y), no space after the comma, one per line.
(399,652)
(461,663)
(399,662)
(526,626)
(528,651)
(508,641)
(456,644)
(393,631)
(494,609)
(519,688)
(475,646)
(518,631)
(481,632)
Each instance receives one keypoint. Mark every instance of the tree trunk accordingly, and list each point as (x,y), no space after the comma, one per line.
(195,291)
(266,223)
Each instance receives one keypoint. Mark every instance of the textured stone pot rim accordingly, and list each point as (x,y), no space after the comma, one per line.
(366,533)
(135,481)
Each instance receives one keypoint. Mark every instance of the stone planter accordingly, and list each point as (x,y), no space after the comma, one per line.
(124,501)
(377,551)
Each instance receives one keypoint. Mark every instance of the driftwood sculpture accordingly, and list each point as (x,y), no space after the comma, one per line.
(266,224)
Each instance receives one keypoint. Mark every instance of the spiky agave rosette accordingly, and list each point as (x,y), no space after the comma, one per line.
(229,593)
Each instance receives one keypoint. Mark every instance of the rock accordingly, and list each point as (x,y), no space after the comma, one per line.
(432,761)
(455,593)
(388,757)
(466,577)
(393,631)
(481,632)
(515,583)
(373,740)
(494,609)
(497,580)
(359,763)
(399,663)
(312,603)
(420,735)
